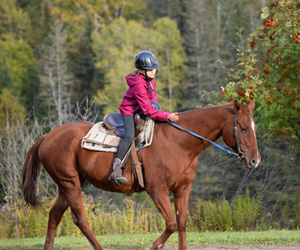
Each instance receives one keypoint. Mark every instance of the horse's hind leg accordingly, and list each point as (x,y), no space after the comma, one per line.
(55,216)
(74,198)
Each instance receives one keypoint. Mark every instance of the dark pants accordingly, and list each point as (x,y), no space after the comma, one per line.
(127,140)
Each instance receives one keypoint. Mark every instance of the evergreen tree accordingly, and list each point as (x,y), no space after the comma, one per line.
(81,57)
(209,33)
(163,8)
(6,78)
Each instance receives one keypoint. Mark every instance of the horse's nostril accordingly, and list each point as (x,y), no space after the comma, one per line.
(253,162)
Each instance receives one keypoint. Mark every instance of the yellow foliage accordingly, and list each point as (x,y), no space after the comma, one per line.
(10,109)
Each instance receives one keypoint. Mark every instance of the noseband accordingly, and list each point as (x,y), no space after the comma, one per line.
(240,154)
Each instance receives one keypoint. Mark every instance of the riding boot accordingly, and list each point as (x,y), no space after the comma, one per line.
(117,177)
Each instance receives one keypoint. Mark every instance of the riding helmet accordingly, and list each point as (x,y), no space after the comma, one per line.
(145,60)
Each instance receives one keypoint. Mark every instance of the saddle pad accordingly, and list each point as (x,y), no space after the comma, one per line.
(98,139)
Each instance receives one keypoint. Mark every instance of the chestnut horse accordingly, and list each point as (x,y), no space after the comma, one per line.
(170,164)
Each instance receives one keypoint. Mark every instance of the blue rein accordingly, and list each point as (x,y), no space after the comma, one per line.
(157,107)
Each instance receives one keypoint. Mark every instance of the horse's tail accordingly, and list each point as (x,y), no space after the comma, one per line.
(30,173)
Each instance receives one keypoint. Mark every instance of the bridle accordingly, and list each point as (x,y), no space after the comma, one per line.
(240,154)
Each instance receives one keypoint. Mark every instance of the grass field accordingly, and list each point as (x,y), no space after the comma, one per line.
(135,241)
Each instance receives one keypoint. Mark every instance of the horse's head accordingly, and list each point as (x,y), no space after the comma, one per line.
(243,138)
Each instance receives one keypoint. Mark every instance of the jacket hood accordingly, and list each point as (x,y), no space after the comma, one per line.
(132,80)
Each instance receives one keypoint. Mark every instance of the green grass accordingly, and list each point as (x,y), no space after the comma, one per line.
(135,241)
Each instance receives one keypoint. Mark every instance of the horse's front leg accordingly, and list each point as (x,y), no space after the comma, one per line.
(181,207)
(162,202)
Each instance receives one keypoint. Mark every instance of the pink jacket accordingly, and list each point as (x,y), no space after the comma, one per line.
(138,97)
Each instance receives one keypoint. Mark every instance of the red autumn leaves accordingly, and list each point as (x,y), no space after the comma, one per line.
(276,49)
(297,37)
(270,23)
(242,93)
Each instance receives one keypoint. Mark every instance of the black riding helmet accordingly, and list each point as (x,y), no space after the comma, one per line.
(145,60)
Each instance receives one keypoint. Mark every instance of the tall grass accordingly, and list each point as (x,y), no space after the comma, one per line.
(243,213)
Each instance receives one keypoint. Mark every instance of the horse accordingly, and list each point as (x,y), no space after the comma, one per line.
(170,165)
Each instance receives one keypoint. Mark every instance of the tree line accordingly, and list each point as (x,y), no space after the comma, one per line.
(55,53)
(62,61)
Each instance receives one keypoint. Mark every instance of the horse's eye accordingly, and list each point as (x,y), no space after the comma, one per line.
(244,129)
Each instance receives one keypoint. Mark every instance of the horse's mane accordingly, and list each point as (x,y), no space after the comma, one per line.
(228,107)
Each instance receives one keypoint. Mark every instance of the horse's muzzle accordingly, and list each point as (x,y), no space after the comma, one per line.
(251,163)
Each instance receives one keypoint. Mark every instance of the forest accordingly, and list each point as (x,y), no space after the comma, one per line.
(65,60)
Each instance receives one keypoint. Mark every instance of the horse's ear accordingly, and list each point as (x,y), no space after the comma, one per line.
(236,106)
(251,105)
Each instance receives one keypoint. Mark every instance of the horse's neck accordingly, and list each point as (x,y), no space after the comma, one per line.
(208,123)
(207,120)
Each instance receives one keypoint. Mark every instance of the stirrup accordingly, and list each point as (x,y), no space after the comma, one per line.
(117,180)
(120,180)
(116,177)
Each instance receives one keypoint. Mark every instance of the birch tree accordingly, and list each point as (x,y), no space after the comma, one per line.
(56,78)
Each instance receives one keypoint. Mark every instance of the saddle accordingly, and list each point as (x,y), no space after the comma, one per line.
(114,123)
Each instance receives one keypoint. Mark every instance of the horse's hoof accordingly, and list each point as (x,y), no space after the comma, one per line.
(154,247)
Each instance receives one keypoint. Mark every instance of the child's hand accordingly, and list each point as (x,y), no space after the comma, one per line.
(173,117)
